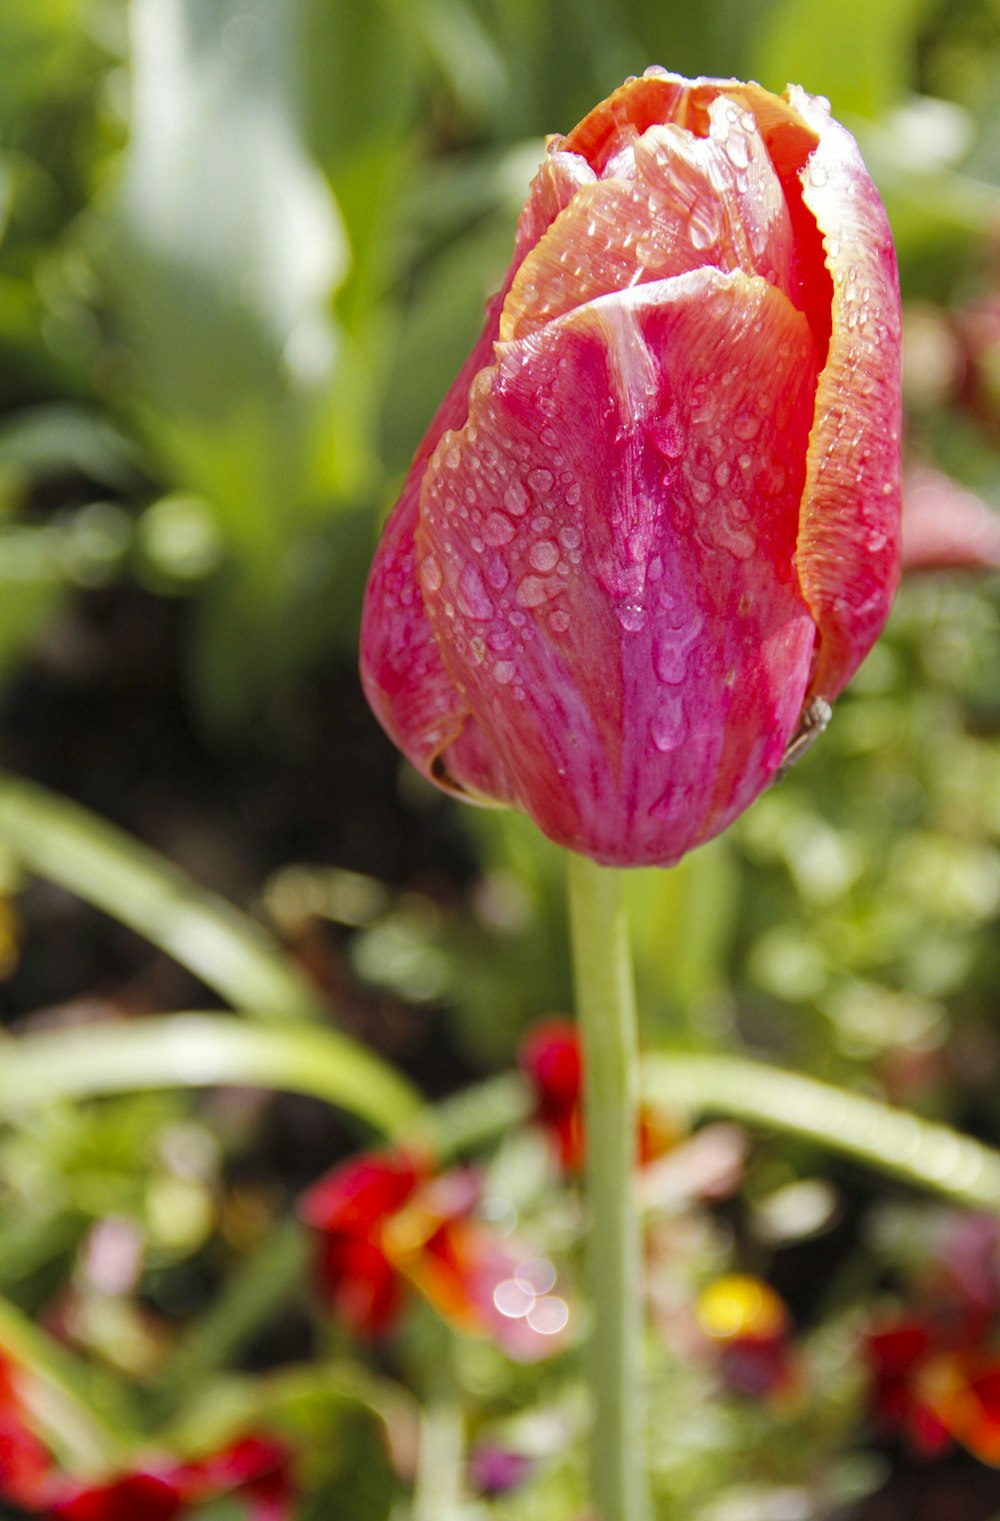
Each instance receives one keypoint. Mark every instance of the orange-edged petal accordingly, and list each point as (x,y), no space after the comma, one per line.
(607,555)
(688,202)
(849,539)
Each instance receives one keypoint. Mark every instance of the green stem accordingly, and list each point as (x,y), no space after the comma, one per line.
(439,1461)
(605,999)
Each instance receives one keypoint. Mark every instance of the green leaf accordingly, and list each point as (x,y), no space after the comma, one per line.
(83,1412)
(53,440)
(200,1051)
(920,1152)
(860,55)
(259,1287)
(232,954)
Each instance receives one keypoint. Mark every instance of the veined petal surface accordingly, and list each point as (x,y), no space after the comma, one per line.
(607,553)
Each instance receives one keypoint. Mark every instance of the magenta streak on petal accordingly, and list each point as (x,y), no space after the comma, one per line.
(404,678)
(643,665)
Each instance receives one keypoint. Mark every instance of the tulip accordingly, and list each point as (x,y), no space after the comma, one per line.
(655,520)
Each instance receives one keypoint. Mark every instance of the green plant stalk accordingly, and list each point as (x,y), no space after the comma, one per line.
(605,1001)
(439,1464)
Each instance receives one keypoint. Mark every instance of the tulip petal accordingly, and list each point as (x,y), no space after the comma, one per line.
(693,202)
(849,548)
(402,673)
(607,554)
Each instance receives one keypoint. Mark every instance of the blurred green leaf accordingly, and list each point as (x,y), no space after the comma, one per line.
(200,1051)
(83,1411)
(860,55)
(58,840)
(922,1153)
(63,439)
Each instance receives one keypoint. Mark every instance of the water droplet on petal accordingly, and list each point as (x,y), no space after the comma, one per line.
(473,599)
(544,556)
(516,499)
(498,529)
(631,616)
(504,672)
(668,726)
(430,575)
(497,571)
(559,621)
(540,481)
(532,591)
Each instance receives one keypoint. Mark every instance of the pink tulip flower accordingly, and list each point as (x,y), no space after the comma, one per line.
(657,515)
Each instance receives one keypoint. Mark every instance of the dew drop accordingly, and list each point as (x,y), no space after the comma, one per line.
(540,481)
(559,621)
(504,672)
(497,572)
(532,591)
(631,616)
(544,556)
(430,575)
(746,426)
(668,726)
(473,599)
(516,499)
(570,537)
(498,529)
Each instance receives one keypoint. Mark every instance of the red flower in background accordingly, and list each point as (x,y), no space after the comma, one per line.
(152,1497)
(255,1471)
(657,514)
(348,1210)
(551,1059)
(936,1374)
(383,1221)
(25,1464)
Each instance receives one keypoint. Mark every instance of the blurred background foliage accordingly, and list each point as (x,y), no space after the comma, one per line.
(244,247)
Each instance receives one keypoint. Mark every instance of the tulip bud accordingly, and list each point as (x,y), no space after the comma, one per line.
(657,514)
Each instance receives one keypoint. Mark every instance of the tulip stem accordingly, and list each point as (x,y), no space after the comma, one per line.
(605,1001)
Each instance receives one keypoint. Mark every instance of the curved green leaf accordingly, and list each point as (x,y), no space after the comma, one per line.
(202,1051)
(920,1152)
(232,954)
